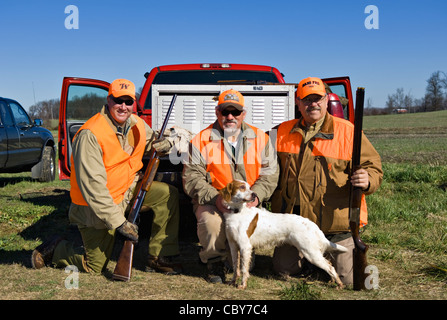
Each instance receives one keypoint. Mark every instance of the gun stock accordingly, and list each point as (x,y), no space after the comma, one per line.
(123,268)
(360,249)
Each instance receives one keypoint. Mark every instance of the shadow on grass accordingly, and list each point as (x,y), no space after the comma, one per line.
(4,181)
(56,222)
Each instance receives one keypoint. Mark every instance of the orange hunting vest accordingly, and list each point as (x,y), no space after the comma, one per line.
(121,167)
(338,147)
(219,166)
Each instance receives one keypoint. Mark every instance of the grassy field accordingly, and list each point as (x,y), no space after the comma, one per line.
(407,234)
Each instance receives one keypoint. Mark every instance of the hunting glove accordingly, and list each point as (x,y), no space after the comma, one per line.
(162,145)
(129,230)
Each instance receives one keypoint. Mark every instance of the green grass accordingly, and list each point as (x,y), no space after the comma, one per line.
(427,121)
(409,211)
(30,210)
(300,290)
(417,138)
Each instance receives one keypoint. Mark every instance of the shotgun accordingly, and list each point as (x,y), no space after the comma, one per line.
(355,197)
(123,269)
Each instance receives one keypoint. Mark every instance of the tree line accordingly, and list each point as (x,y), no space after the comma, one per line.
(47,110)
(435,98)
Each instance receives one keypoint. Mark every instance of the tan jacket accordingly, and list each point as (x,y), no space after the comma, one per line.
(91,176)
(315,174)
(197,182)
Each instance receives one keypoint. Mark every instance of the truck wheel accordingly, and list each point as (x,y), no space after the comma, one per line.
(48,172)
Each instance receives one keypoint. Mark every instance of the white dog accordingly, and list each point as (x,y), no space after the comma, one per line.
(248,228)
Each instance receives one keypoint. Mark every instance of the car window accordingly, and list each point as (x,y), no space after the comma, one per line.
(20,116)
(209,77)
(5,116)
(338,89)
(84,101)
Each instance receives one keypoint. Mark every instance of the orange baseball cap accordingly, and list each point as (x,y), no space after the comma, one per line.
(122,87)
(309,86)
(231,98)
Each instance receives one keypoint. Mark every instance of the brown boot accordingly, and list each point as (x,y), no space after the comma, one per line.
(163,265)
(43,254)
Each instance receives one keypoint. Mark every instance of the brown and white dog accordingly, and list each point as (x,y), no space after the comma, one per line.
(248,228)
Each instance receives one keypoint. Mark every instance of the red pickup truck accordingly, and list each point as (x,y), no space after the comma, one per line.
(82,98)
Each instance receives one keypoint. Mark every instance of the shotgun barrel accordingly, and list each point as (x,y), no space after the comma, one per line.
(360,249)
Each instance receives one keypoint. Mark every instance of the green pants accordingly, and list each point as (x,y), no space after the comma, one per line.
(97,248)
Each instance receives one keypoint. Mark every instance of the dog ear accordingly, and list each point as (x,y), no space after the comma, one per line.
(226,191)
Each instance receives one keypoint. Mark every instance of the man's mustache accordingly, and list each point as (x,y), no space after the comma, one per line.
(229,121)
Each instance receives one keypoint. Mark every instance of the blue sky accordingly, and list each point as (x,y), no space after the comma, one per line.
(124,39)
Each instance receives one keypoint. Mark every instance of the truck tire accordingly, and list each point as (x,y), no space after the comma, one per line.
(48,172)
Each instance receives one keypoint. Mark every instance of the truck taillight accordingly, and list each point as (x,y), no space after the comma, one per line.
(215,65)
(335,107)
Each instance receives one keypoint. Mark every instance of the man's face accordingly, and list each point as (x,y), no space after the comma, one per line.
(230,119)
(120,108)
(313,108)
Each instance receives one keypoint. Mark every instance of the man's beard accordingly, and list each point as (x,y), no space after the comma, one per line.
(230,130)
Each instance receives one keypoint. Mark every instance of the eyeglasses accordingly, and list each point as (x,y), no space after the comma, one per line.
(309,101)
(121,101)
(233,112)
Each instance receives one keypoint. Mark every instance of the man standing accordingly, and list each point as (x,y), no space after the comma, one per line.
(314,154)
(226,150)
(106,158)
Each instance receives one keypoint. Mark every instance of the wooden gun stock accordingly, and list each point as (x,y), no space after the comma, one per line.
(123,268)
(360,249)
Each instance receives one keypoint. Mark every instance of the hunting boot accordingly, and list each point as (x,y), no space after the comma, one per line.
(43,254)
(164,265)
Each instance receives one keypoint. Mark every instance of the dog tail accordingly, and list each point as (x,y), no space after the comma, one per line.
(333,247)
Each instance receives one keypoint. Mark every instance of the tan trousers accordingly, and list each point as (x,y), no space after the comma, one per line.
(287,260)
(211,233)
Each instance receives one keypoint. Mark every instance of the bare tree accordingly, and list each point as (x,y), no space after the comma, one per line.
(45,110)
(399,100)
(434,92)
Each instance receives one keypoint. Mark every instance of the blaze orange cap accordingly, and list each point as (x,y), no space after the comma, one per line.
(309,86)
(231,98)
(122,87)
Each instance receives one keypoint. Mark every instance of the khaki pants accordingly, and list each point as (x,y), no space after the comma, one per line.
(92,257)
(211,233)
(287,260)
(97,248)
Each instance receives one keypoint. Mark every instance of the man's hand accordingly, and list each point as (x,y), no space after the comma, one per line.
(220,205)
(360,179)
(129,230)
(162,145)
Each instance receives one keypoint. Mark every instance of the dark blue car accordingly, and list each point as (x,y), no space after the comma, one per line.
(24,144)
